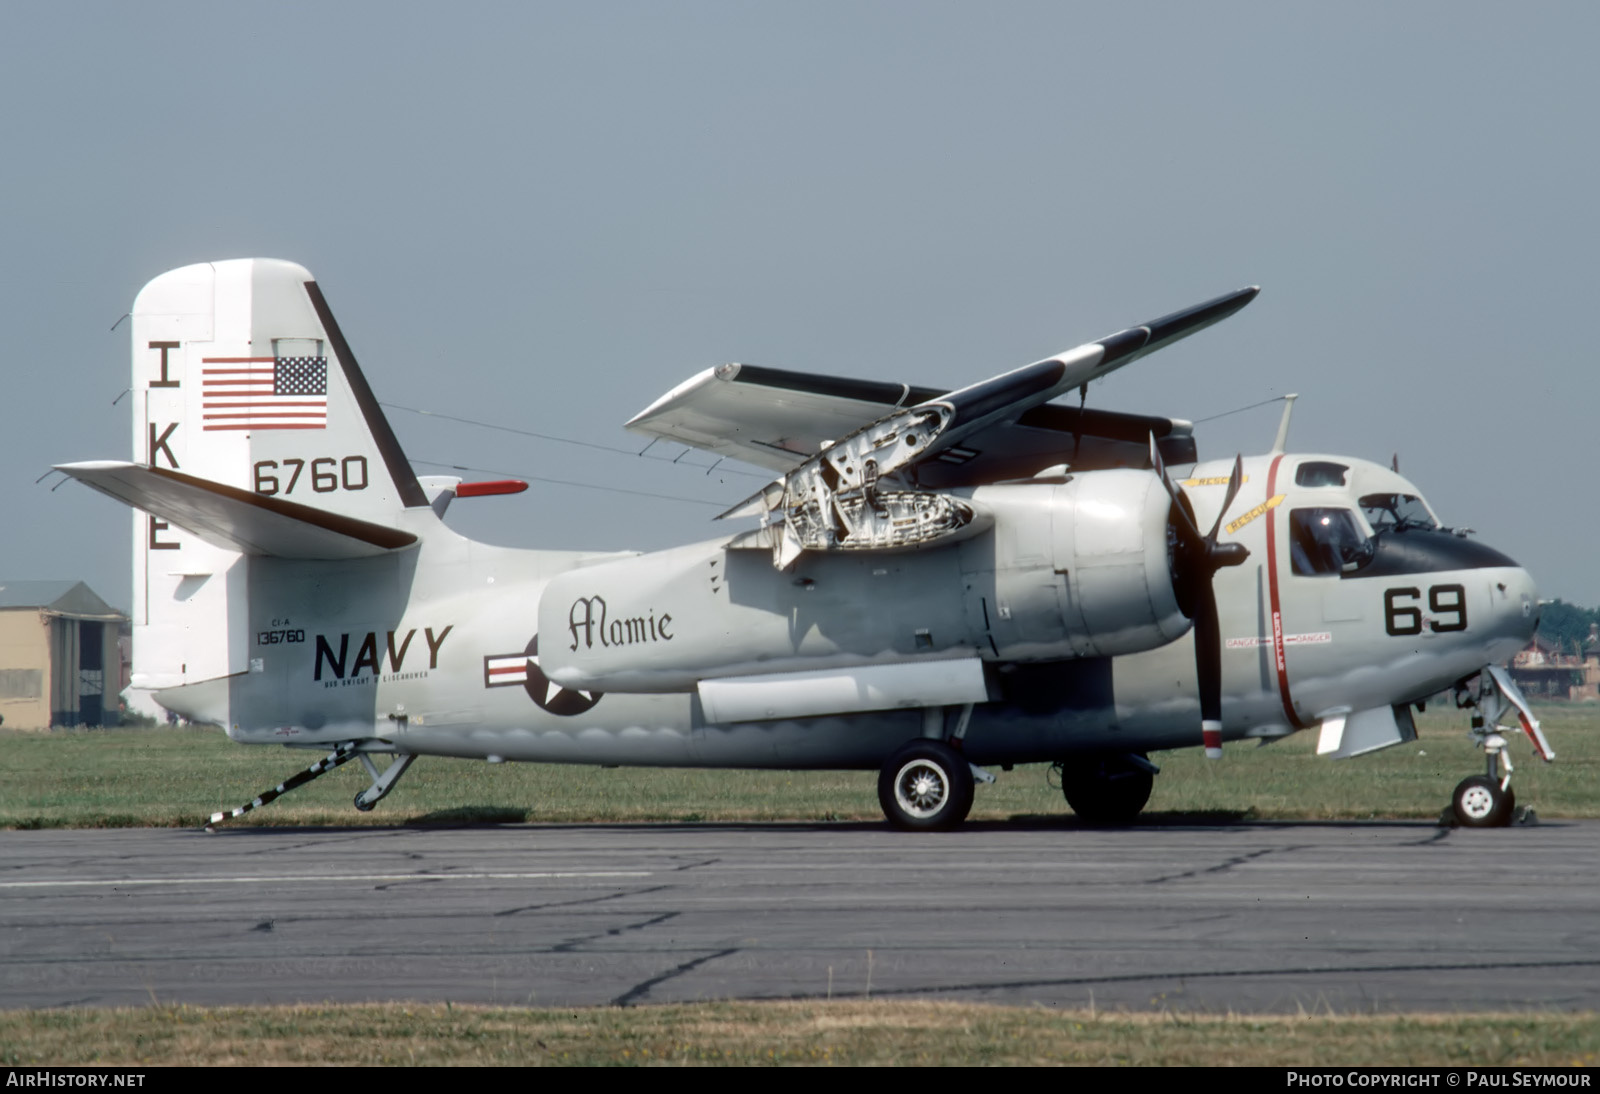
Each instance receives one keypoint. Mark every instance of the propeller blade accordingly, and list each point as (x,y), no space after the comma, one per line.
(1208,669)
(1160,467)
(1202,557)
(1235,480)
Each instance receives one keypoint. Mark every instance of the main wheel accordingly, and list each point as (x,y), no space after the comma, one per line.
(926,785)
(1105,789)
(1480,803)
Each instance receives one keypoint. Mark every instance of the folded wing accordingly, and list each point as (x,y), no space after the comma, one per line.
(1001,428)
(846,462)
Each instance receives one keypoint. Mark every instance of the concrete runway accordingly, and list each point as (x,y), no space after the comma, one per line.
(1248,917)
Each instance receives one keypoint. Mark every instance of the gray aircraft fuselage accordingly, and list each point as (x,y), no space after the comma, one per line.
(439,649)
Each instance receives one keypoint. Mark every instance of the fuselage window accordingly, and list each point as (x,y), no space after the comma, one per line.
(1326,541)
(1320,473)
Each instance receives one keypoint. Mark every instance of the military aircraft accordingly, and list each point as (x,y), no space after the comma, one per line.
(938,582)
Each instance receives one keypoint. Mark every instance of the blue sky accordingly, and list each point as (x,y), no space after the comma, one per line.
(543,216)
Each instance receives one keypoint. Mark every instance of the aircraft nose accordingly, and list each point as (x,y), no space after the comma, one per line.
(1517,598)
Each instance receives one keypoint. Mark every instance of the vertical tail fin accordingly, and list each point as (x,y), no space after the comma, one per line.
(242,377)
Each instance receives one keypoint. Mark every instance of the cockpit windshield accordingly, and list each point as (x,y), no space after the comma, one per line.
(1327,541)
(1396,512)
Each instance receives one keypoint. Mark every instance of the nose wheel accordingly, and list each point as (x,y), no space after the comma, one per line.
(1481,802)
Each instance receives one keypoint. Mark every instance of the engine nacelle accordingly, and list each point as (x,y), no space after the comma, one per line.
(1077,569)
(1072,569)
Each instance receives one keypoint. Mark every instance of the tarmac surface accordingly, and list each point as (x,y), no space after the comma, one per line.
(1245,917)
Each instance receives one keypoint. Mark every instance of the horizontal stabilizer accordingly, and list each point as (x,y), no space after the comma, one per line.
(238,520)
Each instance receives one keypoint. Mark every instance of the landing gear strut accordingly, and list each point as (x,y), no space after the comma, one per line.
(1487,800)
(382,781)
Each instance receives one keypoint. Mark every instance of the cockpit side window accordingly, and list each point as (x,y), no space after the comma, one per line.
(1327,542)
(1320,473)
(1397,512)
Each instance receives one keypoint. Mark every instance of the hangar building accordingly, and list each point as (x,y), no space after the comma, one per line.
(59,660)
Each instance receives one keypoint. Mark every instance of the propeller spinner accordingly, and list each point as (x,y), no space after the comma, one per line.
(1195,564)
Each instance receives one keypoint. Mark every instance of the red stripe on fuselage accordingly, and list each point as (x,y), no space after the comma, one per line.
(1278,659)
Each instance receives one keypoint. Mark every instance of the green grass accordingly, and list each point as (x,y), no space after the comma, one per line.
(818,1033)
(176,777)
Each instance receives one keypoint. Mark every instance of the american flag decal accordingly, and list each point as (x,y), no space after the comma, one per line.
(264,392)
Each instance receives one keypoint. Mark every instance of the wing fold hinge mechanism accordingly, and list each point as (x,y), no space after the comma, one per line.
(844,498)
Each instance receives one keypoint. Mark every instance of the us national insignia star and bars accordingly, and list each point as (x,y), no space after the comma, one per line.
(505,669)
(264,392)
(501,670)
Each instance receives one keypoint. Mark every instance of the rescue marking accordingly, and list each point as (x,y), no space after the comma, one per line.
(1271,503)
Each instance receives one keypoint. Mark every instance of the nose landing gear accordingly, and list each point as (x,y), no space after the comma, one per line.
(1487,800)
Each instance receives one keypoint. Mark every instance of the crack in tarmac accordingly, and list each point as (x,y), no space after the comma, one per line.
(1222,867)
(696,865)
(643,988)
(572,945)
(578,903)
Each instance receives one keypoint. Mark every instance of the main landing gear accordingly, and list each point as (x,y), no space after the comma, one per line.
(1107,789)
(383,780)
(928,784)
(1487,800)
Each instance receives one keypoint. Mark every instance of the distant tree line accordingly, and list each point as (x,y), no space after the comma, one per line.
(1566,626)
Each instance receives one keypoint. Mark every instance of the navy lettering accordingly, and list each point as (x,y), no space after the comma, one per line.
(435,643)
(324,650)
(367,655)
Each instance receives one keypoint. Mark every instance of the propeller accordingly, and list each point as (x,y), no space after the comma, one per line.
(1195,565)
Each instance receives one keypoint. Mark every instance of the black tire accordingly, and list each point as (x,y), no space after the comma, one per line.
(1105,789)
(1480,803)
(365,807)
(926,786)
